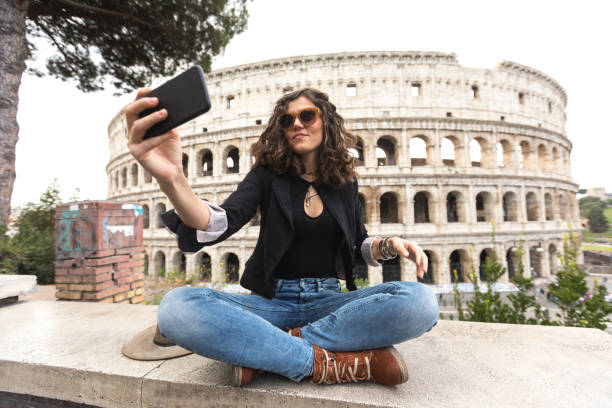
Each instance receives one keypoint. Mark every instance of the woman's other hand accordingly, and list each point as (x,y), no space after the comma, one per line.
(161,155)
(412,251)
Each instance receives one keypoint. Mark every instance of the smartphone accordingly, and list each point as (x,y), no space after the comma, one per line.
(184,97)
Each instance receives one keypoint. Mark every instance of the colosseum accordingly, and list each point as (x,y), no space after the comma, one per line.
(445,154)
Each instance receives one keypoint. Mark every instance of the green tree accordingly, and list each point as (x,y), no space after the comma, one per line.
(570,288)
(129,42)
(32,250)
(587,204)
(597,220)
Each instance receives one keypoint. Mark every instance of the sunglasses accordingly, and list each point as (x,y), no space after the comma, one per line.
(307,117)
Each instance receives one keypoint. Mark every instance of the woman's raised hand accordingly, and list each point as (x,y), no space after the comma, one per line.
(412,251)
(161,155)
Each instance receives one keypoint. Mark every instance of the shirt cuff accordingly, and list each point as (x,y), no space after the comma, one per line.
(366,251)
(216,225)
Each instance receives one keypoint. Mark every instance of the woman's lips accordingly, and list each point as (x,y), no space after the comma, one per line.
(300,136)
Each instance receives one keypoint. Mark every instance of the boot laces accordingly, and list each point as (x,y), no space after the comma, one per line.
(343,371)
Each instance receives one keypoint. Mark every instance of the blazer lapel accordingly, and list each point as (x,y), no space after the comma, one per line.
(282,190)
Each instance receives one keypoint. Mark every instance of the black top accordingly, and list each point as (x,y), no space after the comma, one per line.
(315,242)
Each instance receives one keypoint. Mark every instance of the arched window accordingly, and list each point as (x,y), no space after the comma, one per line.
(456,263)
(205,267)
(548,203)
(484,207)
(160,263)
(504,154)
(421,207)
(525,149)
(510,207)
(388,208)
(145,216)
(429,274)
(160,208)
(185,165)
(232,265)
(512,261)
(542,161)
(449,151)
(206,163)
(232,161)
(535,260)
(147,176)
(357,152)
(385,147)
(179,263)
(391,270)
(453,213)
(485,254)
(134,174)
(418,151)
(532,206)
(475,153)
(124,177)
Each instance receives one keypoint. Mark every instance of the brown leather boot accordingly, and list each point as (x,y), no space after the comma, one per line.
(383,366)
(244,375)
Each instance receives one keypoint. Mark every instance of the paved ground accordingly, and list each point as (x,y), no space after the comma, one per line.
(71,351)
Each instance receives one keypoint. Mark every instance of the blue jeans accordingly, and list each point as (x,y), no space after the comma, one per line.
(248,330)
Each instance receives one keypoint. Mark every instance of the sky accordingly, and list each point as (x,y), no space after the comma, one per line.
(63,132)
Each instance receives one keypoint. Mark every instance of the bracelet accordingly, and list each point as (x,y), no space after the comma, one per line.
(383,249)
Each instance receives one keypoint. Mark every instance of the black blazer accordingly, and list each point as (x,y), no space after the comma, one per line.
(271,191)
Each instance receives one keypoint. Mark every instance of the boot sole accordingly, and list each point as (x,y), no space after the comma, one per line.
(400,362)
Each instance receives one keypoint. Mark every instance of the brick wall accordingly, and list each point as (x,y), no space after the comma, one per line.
(99,252)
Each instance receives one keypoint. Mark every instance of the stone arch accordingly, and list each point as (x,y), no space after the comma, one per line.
(535,260)
(510,207)
(357,152)
(145,268)
(231,160)
(532,206)
(429,274)
(185,162)
(487,253)
(450,151)
(392,270)
(484,206)
(542,159)
(525,155)
(458,260)
(419,153)
(145,216)
(159,263)
(504,154)
(179,262)
(205,159)
(512,261)
(548,205)
(204,265)
(231,267)
(124,177)
(562,207)
(455,207)
(362,207)
(479,152)
(134,175)
(160,208)
(422,207)
(556,160)
(148,178)
(553,261)
(389,211)
(386,151)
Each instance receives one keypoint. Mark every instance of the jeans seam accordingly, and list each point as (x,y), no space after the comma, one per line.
(234,301)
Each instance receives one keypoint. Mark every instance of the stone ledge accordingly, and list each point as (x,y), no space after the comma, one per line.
(71,351)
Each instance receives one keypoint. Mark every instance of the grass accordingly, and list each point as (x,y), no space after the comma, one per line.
(597,248)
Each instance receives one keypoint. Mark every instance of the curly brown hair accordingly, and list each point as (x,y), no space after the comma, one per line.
(335,165)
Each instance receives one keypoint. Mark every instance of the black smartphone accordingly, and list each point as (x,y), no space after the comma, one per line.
(184,97)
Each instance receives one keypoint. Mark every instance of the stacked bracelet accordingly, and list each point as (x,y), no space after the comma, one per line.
(384,250)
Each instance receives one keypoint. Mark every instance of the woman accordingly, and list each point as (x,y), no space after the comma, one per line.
(311,230)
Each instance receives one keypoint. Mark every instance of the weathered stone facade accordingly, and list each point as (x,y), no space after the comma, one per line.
(444,149)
